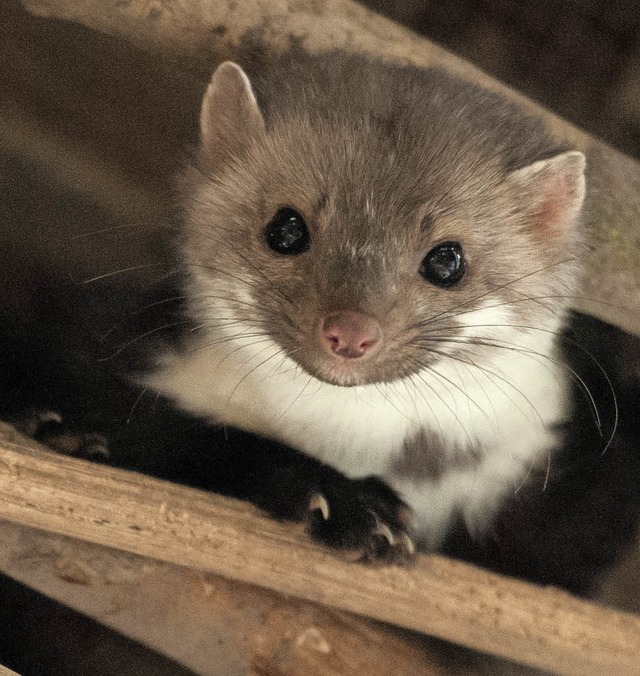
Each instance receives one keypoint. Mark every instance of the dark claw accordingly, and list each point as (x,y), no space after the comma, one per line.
(92,447)
(34,421)
(363,518)
(49,428)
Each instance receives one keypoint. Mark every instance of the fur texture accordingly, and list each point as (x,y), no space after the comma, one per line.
(473,406)
(383,163)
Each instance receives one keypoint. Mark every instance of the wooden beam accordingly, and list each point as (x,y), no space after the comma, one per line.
(541,627)
(195,35)
(7,672)
(207,624)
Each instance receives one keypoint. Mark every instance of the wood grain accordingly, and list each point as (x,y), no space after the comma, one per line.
(208,624)
(542,627)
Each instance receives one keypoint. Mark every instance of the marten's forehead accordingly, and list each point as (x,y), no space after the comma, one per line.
(374,163)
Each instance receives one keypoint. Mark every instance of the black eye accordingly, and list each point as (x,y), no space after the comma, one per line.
(287,232)
(444,264)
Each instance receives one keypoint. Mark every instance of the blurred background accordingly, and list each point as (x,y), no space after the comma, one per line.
(580,58)
(98,122)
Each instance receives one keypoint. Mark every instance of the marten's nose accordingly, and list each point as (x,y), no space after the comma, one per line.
(351,335)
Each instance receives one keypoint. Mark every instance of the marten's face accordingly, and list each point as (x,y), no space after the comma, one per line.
(371,250)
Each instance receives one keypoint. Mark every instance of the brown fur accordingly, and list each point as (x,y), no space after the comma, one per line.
(424,458)
(383,162)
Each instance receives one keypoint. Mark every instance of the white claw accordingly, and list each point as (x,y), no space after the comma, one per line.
(319,502)
(39,419)
(49,416)
(408,543)
(385,531)
(95,444)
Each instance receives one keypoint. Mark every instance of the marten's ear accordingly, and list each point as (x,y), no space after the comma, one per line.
(552,192)
(229,117)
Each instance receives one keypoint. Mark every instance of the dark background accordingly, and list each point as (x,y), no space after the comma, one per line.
(580,58)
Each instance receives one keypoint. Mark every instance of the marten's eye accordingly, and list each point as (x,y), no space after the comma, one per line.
(287,233)
(444,265)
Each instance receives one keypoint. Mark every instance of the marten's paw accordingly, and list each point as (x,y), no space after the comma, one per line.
(49,428)
(363,518)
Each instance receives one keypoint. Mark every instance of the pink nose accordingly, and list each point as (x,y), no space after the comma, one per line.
(350,335)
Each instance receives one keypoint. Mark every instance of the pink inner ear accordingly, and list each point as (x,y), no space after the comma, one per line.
(558,207)
(550,193)
(560,193)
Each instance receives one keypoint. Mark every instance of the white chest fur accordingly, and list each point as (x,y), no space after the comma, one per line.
(504,409)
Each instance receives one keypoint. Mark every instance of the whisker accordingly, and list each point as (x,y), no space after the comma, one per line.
(525,477)
(243,281)
(502,286)
(518,348)
(591,357)
(300,393)
(492,374)
(255,368)
(437,394)
(229,339)
(264,276)
(138,312)
(426,323)
(547,474)
(460,389)
(137,339)
(134,227)
(428,403)
(123,270)
(135,404)
(489,373)
(391,403)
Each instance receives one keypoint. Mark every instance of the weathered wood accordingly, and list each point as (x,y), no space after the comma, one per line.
(208,624)
(542,627)
(620,587)
(7,672)
(196,34)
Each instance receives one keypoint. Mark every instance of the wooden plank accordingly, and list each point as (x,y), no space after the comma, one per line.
(195,35)
(541,627)
(7,672)
(209,625)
